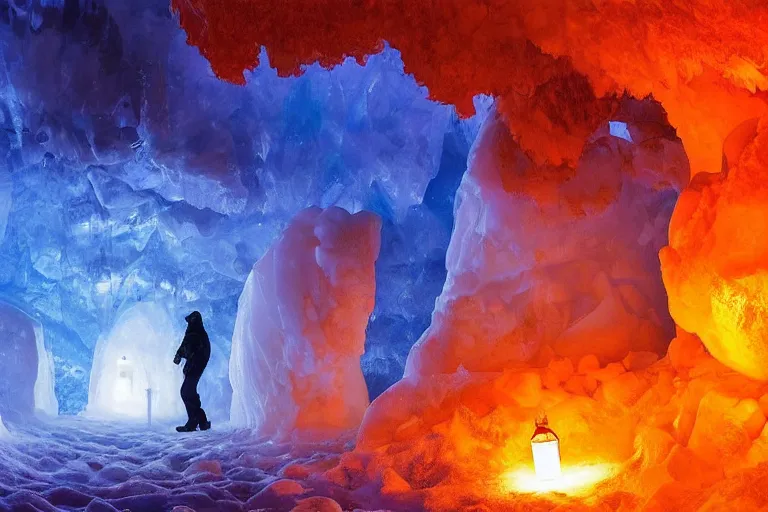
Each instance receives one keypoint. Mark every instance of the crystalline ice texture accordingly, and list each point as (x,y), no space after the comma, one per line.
(300,328)
(166,184)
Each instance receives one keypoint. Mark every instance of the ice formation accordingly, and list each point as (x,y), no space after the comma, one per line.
(715,266)
(557,260)
(26,382)
(121,192)
(410,270)
(136,356)
(300,327)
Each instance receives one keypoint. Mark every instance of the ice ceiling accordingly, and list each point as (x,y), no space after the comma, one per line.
(570,215)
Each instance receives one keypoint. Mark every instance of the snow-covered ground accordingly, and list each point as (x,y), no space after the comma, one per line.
(682,433)
(72,463)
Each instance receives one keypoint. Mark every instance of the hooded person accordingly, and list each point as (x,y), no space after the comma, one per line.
(196,349)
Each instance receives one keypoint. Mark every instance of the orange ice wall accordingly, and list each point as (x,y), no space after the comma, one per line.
(715,268)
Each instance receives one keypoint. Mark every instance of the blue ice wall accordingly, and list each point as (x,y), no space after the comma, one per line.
(129,173)
(410,271)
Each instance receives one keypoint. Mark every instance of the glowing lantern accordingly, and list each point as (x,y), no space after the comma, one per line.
(546,450)
(124,385)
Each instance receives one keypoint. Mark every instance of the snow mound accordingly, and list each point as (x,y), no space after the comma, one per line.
(300,327)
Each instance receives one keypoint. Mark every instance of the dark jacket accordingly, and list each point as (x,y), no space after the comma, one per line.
(196,347)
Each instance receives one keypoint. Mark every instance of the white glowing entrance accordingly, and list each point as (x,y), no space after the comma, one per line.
(136,356)
(124,382)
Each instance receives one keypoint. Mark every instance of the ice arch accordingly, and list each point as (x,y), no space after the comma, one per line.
(300,327)
(137,355)
(26,381)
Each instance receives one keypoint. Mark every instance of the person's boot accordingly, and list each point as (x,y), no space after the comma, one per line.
(204,423)
(188,427)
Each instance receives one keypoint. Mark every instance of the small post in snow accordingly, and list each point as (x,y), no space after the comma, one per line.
(149,407)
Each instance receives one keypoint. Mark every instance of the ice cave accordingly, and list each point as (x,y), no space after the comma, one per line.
(383,255)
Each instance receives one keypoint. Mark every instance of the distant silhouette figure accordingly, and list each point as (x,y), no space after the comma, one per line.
(196,349)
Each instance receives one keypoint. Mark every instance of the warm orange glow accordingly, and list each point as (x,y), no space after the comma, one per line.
(575,480)
(714,266)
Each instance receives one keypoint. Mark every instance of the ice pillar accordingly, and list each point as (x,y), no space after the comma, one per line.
(557,257)
(300,328)
(26,382)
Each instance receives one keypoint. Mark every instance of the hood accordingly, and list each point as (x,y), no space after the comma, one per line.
(194,318)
